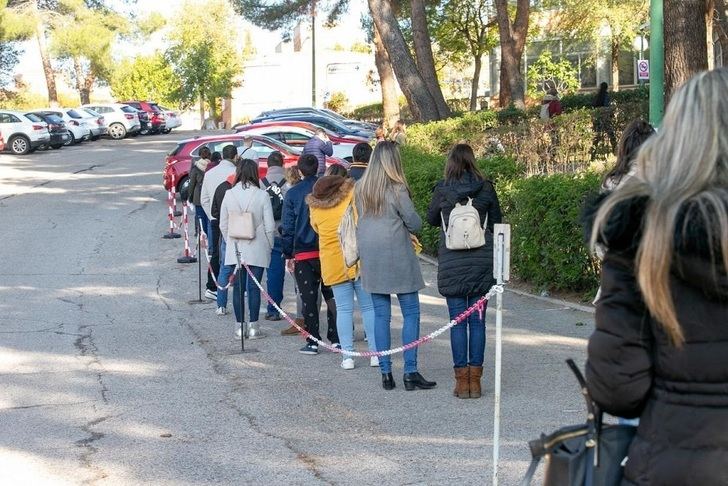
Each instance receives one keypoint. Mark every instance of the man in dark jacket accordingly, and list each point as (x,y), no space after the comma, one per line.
(197,175)
(300,242)
(360,155)
(320,147)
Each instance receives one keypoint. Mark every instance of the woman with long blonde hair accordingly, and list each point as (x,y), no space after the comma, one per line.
(387,220)
(661,340)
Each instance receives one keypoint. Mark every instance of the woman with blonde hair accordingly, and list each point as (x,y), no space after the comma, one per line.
(661,340)
(389,265)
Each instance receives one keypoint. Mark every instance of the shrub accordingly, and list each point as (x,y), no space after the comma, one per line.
(511,116)
(337,102)
(547,73)
(437,137)
(586,100)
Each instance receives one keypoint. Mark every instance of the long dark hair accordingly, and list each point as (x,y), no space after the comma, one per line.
(632,139)
(247,173)
(601,98)
(460,161)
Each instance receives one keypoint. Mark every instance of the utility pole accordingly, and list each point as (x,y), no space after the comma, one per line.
(313,54)
(657,63)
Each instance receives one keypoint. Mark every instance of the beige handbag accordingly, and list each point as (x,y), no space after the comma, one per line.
(241,225)
(347,236)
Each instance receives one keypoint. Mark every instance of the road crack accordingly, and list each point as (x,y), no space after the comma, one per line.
(88,446)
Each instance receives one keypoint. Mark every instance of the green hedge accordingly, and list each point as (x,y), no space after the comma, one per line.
(586,100)
(437,137)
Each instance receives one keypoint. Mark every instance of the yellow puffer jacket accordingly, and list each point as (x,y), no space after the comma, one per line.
(327,203)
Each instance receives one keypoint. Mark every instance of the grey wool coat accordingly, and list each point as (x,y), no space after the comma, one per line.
(255,252)
(388,261)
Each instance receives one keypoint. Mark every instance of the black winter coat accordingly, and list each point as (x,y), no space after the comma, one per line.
(680,394)
(463,273)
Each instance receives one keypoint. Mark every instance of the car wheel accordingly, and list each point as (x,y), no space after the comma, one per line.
(19,145)
(167,130)
(72,140)
(117,131)
(56,146)
(183,188)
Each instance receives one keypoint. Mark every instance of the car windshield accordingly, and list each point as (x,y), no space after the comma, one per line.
(53,119)
(91,112)
(129,109)
(74,114)
(280,145)
(155,107)
(33,117)
(176,150)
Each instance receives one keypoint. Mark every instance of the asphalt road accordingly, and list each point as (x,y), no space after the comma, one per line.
(109,375)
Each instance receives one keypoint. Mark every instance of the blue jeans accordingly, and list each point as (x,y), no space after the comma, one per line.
(344,296)
(409,304)
(253,294)
(467,339)
(201,220)
(276,275)
(222,279)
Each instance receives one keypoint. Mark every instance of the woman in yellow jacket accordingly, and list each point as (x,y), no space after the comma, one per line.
(331,195)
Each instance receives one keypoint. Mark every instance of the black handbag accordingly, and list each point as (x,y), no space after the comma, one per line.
(590,454)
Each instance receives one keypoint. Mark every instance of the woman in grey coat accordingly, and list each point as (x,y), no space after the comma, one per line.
(247,196)
(389,265)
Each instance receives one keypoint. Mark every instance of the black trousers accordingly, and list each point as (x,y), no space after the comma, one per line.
(214,254)
(308,279)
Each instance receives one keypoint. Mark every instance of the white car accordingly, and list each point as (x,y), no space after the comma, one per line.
(95,121)
(76,125)
(173,120)
(23,132)
(122,120)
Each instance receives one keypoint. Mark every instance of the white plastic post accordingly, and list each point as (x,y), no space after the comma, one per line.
(501,272)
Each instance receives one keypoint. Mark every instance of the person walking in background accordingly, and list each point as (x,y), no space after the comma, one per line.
(320,147)
(274,183)
(398,134)
(330,198)
(213,178)
(465,275)
(389,265)
(197,175)
(636,133)
(550,106)
(247,197)
(300,243)
(602,120)
(360,155)
(658,351)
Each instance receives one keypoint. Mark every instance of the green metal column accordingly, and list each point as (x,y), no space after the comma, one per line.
(657,63)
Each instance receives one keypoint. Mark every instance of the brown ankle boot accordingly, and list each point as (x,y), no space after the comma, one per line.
(476,372)
(461,383)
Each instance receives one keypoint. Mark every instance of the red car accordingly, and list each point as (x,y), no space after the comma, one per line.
(178,161)
(157,120)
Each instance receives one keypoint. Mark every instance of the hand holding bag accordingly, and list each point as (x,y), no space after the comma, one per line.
(242,223)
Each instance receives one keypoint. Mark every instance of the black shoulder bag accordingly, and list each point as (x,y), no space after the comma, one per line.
(590,454)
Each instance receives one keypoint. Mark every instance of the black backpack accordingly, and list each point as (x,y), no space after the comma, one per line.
(276,197)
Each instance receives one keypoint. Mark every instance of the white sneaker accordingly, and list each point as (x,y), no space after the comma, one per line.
(209,294)
(374,362)
(348,364)
(221,311)
(239,331)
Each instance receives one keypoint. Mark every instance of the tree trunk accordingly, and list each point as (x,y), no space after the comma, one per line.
(83,83)
(425,59)
(709,20)
(420,101)
(476,82)
(513,41)
(387,82)
(202,110)
(615,64)
(722,29)
(685,38)
(50,75)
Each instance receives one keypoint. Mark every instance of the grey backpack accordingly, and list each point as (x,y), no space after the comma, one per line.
(463,231)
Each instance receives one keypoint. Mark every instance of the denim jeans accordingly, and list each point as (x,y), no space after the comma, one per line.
(253,294)
(467,339)
(201,220)
(276,275)
(409,304)
(225,273)
(344,296)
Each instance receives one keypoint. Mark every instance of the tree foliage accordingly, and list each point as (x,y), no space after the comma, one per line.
(547,73)
(285,14)
(145,78)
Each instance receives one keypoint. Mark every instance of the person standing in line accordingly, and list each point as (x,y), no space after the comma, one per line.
(197,175)
(399,133)
(380,135)
(293,177)
(213,178)
(214,160)
(247,196)
(300,243)
(246,150)
(274,183)
(360,154)
(661,338)
(632,139)
(226,271)
(320,147)
(389,265)
(330,198)
(464,276)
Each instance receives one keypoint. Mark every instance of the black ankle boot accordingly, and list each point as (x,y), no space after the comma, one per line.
(387,381)
(416,380)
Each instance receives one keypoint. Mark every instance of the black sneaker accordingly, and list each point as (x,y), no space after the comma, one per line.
(309,349)
(273,317)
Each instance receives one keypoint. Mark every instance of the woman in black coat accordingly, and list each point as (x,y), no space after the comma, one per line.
(464,276)
(660,349)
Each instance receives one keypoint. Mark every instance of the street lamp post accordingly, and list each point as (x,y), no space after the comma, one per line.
(657,63)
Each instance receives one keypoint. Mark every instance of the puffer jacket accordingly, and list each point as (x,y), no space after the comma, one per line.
(320,149)
(197,174)
(463,273)
(327,203)
(297,236)
(679,394)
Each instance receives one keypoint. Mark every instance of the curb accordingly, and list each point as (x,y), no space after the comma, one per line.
(550,300)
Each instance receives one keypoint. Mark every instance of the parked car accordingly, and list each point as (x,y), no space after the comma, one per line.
(56,127)
(2,142)
(154,116)
(122,120)
(318,111)
(178,162)
(172,117)
(323,121)
(96,122)
(23,133)
(296,134)
(77,127)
